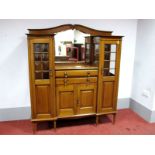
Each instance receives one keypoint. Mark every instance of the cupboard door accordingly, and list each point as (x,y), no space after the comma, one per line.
(42,84)
(86,101)
(65,99)
(108,75)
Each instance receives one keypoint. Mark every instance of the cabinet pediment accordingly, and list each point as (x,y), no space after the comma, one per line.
(54,30)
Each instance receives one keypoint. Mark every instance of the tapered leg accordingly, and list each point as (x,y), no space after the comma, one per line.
(55,125)
(34,126)
(97,120)
(114,118)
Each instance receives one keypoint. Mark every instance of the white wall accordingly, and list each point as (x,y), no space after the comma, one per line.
(14,85)
(144,66)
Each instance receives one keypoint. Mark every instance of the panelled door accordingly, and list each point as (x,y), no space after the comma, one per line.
(108,75)
(66,100)
(41,59)
(86,101)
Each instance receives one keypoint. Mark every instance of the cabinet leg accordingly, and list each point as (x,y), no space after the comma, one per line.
(114,118)
(55,125)
(34,127)
(97,120)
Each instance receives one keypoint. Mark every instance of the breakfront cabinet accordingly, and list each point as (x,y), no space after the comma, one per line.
(62,87)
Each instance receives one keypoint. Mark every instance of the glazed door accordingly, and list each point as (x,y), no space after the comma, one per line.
(108,75)
(41,57)
(66,100)
(86,100)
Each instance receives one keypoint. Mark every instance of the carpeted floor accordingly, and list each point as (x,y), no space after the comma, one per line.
(127,122)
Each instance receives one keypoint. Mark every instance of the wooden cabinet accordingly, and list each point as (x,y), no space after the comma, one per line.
(66,89)
(76,96)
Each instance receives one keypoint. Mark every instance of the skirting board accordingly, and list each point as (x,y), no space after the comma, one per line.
(21,113)
(142,111)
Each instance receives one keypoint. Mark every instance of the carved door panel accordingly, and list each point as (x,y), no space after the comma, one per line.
(66,100)
(86,101)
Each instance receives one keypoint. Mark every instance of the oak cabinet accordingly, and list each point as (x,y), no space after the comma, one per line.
(63,87)
(75,99)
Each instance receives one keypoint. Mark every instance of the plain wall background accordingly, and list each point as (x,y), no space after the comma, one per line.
(14,82)
(144,66)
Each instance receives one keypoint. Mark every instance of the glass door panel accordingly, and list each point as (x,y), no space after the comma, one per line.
(109,59)
(41,60)
(96,53)
(87,57)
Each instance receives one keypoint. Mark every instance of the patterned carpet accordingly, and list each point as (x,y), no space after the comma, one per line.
(127,123)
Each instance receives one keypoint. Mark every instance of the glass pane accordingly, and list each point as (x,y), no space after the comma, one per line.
(113,47)
(38,66)
(41,47)
(109,72)
(96,54)
(37,57)
(45,57)
(96,39)
(38,75)
(107,56)
(112,56)
(41,60)
(46,75)
(112,64)
(112,71)
(107,47)
(109,59)
(87,53)
(46,65)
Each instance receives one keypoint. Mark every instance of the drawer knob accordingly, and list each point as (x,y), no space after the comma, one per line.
(65,74)
(88,74)
(65,82)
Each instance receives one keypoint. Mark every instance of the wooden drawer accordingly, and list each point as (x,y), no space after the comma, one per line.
(65,81)
(76,73)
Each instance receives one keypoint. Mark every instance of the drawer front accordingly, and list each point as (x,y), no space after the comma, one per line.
(76,73)
(66,81)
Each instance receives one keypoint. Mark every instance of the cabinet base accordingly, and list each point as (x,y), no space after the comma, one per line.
(34,122)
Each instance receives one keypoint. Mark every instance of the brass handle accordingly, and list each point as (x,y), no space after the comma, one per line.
(65,74)
(88,80)
(88,74)
(65,82)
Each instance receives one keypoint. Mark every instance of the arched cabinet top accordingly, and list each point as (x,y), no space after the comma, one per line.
(54,30)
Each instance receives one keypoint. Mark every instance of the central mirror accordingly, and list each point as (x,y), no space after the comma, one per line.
(70,46)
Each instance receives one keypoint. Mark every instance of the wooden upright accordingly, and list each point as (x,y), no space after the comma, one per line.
(69,89)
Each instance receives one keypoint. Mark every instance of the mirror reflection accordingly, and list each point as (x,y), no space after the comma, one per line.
(70,45)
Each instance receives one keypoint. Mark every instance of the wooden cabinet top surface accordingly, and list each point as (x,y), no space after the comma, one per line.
(67,66)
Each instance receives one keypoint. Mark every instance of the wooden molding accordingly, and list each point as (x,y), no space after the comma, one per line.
(84,29)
